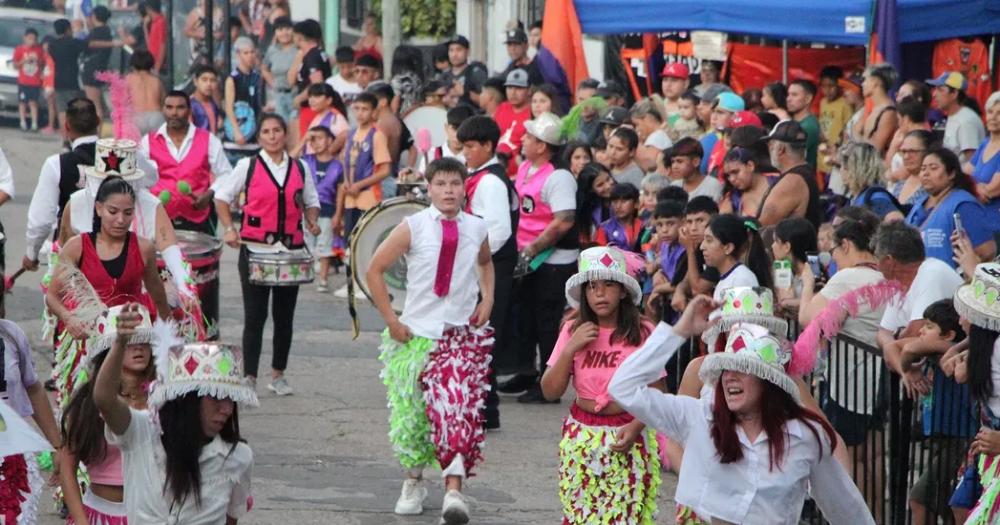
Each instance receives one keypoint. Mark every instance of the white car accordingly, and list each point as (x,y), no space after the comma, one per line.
(13,23)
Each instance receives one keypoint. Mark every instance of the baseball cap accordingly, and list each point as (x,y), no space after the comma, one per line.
(460,40)
(744,118)
(729,101)
(787,131)
(516,36)
(708,93)
(614,116)
(610,88)
(952,79)
(676,70)
(517,78)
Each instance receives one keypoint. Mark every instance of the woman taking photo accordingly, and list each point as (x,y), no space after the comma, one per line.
(268,227)
(183,459)
(986,161)
(863,173)
(609,464)
(746,182)
(794,240)
(879,125)
(950,193)
(774,97)
(593,200)
(83,428)
(731,473)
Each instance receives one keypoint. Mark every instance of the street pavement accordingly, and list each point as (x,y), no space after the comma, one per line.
(321,455)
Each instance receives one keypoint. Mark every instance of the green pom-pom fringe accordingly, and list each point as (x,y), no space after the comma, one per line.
(409,428)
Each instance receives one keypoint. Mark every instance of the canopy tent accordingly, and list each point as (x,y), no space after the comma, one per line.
(847,22)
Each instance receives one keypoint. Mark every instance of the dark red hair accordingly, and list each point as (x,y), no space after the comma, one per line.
(778,409)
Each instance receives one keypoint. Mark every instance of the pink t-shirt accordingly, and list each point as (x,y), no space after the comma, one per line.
(594,365)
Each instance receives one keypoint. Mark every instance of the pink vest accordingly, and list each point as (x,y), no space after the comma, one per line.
(273,213)
(535,213)
(193,168)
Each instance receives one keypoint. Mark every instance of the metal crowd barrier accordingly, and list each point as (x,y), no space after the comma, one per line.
(902,450)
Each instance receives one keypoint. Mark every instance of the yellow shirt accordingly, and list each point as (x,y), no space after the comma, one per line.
(833,117)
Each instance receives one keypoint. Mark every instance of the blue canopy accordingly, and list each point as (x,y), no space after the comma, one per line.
(846,22)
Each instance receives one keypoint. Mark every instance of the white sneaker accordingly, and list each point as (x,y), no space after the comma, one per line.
(280,387)
(454,509)
(341,292)
(411,499)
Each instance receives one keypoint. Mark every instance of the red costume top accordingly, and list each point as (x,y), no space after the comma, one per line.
(125,288)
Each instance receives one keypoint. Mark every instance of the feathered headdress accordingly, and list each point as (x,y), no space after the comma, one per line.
(121,106)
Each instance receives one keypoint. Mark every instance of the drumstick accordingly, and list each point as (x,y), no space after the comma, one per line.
(8,282)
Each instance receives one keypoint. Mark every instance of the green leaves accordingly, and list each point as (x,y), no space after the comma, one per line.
(423,18)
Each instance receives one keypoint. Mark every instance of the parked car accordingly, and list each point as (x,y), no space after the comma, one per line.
(13,23)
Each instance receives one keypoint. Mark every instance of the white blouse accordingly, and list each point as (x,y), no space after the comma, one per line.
(225,478)
(748,491)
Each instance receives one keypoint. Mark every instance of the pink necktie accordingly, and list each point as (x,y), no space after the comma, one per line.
(446,259)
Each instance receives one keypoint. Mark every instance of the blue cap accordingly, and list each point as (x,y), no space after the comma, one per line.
(730,101)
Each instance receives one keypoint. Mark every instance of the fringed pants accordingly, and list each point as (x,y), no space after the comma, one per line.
(437,392)
(598,486)
(20,488)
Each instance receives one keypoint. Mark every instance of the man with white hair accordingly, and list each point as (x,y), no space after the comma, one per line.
(244,90)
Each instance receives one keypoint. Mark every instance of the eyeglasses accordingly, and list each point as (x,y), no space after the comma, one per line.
(911,151)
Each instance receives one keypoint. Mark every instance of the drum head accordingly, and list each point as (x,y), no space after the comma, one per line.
(373,227)
(432,118)
(197,245)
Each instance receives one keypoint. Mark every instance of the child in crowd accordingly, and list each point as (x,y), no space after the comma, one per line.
(29,60)
(452,148)
(437,353)
(651,185)
(608,463)
(205,112)
(824,237)
(366,161)
(700,278)
(669,257)
(327,171)
(945,418)
(624,229)
(687,124)
(329,110)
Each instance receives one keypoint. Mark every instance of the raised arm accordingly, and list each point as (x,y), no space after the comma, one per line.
(114,410)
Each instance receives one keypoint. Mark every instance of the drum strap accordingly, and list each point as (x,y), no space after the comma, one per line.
(352,308)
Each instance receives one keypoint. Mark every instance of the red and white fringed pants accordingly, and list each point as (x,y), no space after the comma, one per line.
(437,392)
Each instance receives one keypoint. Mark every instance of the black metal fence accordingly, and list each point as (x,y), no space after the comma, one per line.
(906,455)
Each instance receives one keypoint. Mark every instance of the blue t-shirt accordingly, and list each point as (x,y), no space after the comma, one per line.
(984,173)
(952,412)
(937,242)
(707,145)
(879,201)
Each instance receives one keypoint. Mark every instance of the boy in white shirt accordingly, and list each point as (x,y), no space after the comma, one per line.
(439,348)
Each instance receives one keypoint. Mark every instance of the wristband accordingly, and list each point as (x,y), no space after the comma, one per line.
(175,264)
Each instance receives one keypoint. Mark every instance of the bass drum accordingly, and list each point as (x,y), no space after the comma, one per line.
(373,227)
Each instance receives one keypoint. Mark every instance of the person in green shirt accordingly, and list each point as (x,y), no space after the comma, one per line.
(801,93)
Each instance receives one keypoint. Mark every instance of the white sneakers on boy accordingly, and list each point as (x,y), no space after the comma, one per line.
(454,509)
(411,499)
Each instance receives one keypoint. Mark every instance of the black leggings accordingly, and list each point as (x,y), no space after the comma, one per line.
(255,299)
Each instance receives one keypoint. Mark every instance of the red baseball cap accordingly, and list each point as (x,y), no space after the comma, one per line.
(744,118)
(676,70)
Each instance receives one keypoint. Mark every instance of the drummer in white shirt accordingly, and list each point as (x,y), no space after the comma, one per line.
(272,223)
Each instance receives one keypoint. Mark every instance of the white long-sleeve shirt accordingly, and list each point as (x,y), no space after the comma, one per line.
(492,203)
(6,176)
(748,491)
(217,160)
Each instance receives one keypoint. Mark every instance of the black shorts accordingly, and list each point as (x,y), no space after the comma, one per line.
(853,427)
(28,93)
(89,78)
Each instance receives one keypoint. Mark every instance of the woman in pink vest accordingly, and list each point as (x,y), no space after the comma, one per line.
(279,195)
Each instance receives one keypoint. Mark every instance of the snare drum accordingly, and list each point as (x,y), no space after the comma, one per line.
(280,269)
(373,227)
(203,252)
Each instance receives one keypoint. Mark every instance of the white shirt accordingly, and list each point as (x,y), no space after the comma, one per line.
(346,89)
(424,313)
(963,131)
(6,176)
(738,275)
(217,160)
(228,189)
(659,140)
(225,478)
(709,187)
(492,203)
(44,208)
(935,280)
(748,491)
(858,367)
